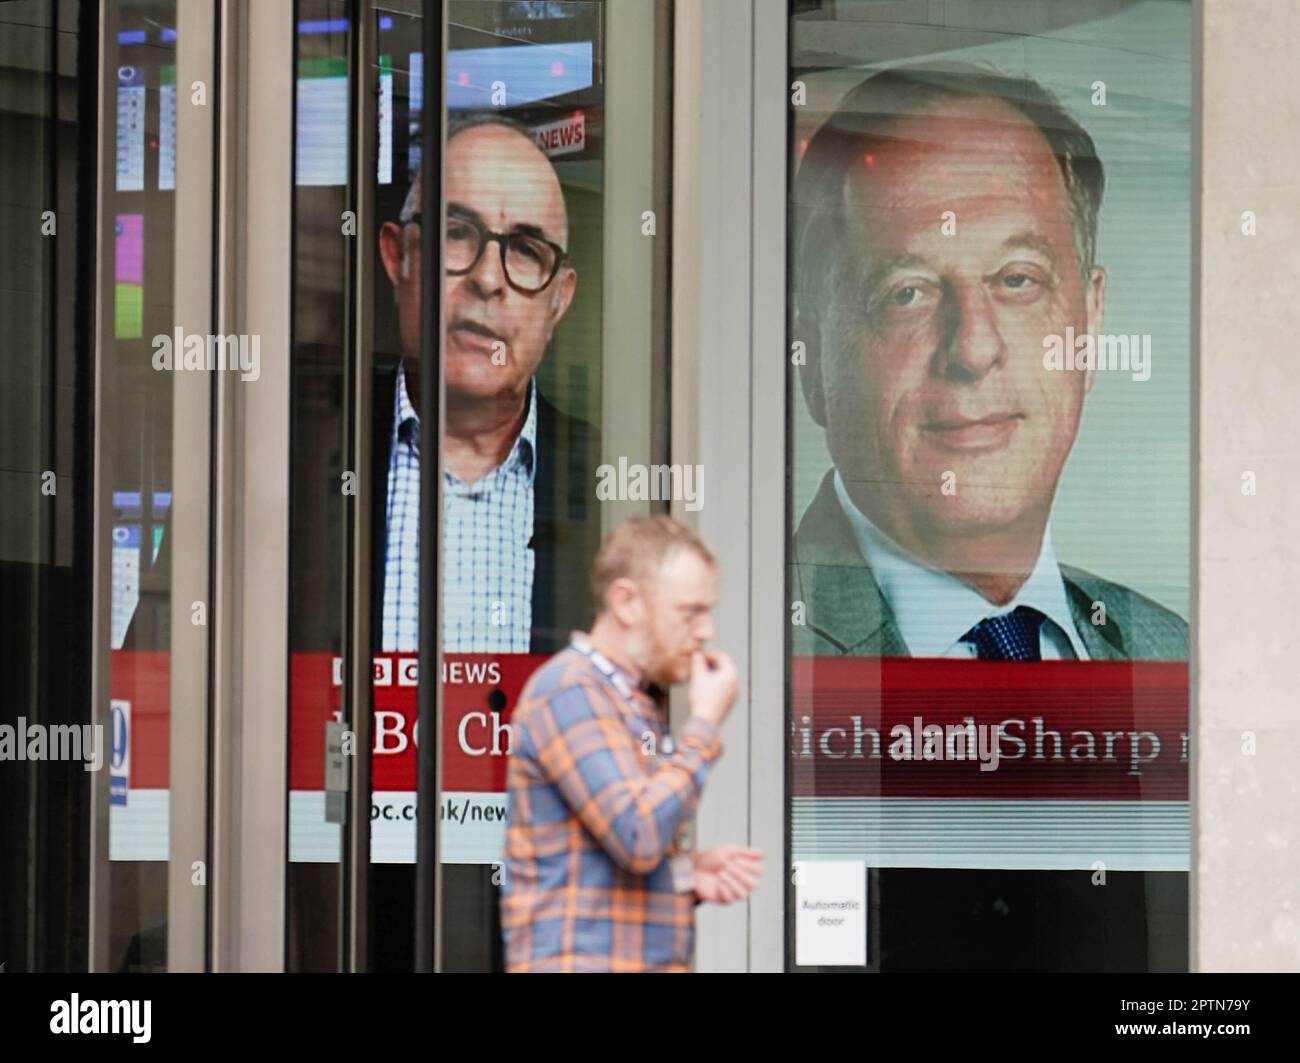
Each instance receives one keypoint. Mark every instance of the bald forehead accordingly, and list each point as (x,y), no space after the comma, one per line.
(505,178)
(981,143)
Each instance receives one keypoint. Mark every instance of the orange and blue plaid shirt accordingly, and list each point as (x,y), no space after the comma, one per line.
(598,799)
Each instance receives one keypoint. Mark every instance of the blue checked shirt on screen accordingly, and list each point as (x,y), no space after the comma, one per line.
(488,574)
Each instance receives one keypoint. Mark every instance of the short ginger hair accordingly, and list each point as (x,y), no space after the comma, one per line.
(639,547)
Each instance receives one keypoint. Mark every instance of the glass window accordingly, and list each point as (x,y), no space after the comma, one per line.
(318,561)
(556,181)
(141,341)
(47,149)
(989,447)
(555,367)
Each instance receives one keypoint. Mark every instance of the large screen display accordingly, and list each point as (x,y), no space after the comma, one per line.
(989,446)
(523,159)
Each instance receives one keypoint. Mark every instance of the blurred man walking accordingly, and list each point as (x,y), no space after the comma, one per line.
(597,878)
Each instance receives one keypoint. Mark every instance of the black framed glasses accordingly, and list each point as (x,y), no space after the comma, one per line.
(529,260)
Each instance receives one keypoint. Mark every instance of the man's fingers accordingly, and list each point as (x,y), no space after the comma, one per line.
(742,866)
(747,876)
(743,883)
(733,850)
(726,892)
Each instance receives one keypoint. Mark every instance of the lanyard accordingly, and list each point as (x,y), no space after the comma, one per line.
(682,863)
(618,679)
(605,667)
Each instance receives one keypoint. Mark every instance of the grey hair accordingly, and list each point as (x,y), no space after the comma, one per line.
(861,121)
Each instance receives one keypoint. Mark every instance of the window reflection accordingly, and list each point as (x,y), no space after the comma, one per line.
(137,404)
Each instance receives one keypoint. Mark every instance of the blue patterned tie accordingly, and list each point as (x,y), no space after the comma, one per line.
(1012,636)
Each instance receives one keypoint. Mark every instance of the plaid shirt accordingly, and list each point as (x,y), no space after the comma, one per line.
(598,798)
(488,577)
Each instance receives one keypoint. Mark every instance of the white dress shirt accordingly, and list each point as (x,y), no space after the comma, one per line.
(934,609)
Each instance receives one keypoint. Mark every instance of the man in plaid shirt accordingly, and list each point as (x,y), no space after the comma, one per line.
(600,796)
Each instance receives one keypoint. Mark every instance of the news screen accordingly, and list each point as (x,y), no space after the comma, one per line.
(989,444)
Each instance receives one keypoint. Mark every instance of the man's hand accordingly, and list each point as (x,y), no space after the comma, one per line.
(727,873)
(713,686)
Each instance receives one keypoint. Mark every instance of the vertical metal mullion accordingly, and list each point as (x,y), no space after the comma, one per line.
(191,511)
(357,541)
(630,329)
(225,590)
(712,405)
(768,531)
(101,593)
(251,757)
(39,663)
(228,708)
(85,345)
(428,864)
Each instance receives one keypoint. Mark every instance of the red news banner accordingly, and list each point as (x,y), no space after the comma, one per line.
(480,692)
(1069,730)
(929,728)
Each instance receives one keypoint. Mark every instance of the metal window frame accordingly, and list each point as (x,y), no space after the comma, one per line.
(357,672)
(251,644)
(102,571)
(194,263)
(768,829)
(728,403)
(428,855)
(635,288)
(100,915)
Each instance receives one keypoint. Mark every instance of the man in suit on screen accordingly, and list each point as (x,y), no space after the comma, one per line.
(945,227)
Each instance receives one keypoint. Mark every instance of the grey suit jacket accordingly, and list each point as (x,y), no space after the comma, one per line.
(846,613)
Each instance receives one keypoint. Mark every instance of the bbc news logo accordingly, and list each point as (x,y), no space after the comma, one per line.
(404,671)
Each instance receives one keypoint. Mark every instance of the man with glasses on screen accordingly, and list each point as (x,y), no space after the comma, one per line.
(945,225)
(519,519)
